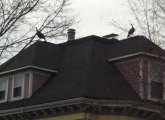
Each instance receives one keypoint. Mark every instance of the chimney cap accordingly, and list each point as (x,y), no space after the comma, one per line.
(71,30)
(71,34)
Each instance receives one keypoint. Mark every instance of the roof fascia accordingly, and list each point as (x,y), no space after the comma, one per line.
(135,54)
(114,103)
(26,67)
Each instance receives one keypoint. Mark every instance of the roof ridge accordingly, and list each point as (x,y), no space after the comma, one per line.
(5,64)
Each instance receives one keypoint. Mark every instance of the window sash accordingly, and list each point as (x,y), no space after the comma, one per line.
(18,81)
(3,85)
(18,86)
(2,94)
(3,89)
(17,92)
(156,90)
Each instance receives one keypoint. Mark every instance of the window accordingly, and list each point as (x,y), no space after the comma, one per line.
(3,89)
(18,86)
(156,90)
(156,81)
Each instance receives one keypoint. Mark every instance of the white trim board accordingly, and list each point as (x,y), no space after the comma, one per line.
(134,54)
(29,66)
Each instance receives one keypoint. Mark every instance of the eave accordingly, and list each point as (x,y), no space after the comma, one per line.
(28,67)
(136,54)
(79,105)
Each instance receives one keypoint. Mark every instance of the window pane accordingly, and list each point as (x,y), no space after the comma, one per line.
(3,85)
(2,95)
(17,86)
(17,92)
(18,81)
(156,90)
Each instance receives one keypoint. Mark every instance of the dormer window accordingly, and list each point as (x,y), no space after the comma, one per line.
(3,90)
(156,81)
(157,90)
(18,86)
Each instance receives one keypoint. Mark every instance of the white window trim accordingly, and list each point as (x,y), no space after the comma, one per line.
(30,84)
(163,91)
(141,75)
(22,90)
(6,91)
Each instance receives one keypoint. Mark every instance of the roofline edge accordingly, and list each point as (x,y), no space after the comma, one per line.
(121,103)
(29,66)
(135,54)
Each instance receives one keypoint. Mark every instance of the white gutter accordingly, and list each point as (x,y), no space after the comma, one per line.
(29,66)
(134,54)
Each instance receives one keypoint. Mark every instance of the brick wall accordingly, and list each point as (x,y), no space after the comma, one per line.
(38,81)
(130,70)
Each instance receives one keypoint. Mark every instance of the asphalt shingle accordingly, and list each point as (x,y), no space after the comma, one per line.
(84,70)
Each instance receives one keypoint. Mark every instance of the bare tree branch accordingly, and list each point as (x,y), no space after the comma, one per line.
(149,17)
(18,19)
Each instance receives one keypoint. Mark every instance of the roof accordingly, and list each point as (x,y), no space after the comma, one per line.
(134,45)
(38,54)
(111,35)
(84,70)
(49,55)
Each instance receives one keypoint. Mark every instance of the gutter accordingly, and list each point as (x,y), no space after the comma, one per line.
(110,103)
(29,66)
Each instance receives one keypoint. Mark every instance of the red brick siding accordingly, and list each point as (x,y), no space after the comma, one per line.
(130,70)
(26,85)
(9,94)
(38,81)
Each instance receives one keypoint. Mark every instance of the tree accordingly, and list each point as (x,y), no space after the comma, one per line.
(18,19)
(149,18)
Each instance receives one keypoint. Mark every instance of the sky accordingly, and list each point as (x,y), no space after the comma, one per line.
(93,15)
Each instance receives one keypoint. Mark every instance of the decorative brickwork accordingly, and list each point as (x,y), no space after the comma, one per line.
(130,70)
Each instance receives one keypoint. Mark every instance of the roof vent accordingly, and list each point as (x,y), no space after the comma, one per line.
(110,36)
(71,34)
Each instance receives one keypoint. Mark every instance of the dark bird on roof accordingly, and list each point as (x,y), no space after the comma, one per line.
(40,35)
(131,31)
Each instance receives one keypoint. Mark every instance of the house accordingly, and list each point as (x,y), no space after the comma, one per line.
(91,78)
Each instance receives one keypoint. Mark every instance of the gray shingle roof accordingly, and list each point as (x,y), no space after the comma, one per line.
(84,70)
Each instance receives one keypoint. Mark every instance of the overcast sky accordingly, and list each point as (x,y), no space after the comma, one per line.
(93,15)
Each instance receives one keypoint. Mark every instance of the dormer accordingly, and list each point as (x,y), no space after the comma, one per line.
(22,84)
(142,63)
(25,73)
